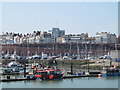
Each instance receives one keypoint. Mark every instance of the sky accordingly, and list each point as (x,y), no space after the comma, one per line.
(73,17)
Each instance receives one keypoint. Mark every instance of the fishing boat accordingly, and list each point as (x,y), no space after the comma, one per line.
(113,71)
(48,74)
(8,71)
(12,68)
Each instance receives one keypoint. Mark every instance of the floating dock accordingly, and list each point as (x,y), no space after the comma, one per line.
(76,76)
(64,77)
(14,73)
(17,79)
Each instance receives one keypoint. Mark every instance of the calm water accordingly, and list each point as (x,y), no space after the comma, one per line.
(82,82)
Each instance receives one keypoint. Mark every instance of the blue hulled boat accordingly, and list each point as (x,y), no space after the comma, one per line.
(113,71)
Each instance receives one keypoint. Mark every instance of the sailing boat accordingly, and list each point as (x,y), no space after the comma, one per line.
(14,56)
(44,56)
(2,55)
(7,56)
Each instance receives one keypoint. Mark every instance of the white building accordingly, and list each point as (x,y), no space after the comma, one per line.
(31,40)
(81,38)
(61,40)
(0,39)
(105,38)
(17,40)
(56,32)
(7,38)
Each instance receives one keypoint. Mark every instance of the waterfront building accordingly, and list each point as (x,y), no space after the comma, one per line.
(60,40)
(7,38)
(37,37)
(118,39)
(89,40)
(75,37)
(25,39)
(46,37)
(0,39)
(81,38)
(105,38)
(31,39)
(56,32)
(58,36)
(17,40)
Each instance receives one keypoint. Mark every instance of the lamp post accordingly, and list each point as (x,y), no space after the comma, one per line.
(71,60)
(71,68)
(24,69)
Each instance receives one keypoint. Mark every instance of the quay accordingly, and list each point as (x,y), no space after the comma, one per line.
(64,77)
(17,79)
(77,76)
(14,73)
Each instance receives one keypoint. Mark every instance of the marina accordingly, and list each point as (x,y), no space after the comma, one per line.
(59,44)
(55,71)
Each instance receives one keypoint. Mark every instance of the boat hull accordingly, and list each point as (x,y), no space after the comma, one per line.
(114,74)
(48,77)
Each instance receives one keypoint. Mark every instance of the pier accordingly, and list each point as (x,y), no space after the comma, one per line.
(77,76)
(64,77)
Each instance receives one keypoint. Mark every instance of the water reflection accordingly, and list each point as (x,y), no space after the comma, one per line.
(82,82)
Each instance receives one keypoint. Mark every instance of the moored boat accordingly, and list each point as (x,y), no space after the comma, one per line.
(48,74)
(113,71)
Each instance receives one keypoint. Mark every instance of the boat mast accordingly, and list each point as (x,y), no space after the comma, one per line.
(70,50)
(78,51)
(70,54)
(86,56)
(15,53)
(53,50)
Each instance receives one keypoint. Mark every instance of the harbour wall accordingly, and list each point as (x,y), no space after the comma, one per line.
(59,49)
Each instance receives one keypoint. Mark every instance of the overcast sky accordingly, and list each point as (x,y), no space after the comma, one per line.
(73,17)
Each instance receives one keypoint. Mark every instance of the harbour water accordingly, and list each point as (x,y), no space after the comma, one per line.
(81,82)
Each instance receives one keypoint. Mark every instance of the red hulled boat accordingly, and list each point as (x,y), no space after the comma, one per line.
(48,74)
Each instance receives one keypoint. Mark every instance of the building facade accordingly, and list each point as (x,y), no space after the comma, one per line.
(81,38)
(7,38)
(55,33)
(105,38)
(58,36)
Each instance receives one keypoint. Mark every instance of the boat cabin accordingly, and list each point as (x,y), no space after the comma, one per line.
(113,72)
(49,74)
